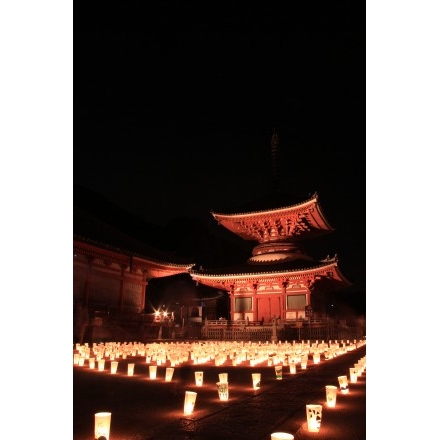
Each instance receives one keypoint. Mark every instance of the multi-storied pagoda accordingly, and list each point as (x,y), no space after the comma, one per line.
(279,279)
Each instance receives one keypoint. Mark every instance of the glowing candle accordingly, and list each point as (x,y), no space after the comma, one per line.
(190,401)
(102,425)
(314,416)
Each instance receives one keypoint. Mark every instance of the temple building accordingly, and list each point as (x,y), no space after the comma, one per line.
(279,279)
(111,269)
(114,279)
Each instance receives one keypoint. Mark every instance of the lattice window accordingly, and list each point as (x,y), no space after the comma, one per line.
(296,301)
(243,304)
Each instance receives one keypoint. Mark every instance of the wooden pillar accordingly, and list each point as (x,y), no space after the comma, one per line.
(255,303)
(121,288)
(87,281)
(232,301)
(309,292)
(144,288)
(231,305)
(284,297)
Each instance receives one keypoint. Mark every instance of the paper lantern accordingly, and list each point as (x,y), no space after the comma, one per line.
(190,401)
(169,374)
(102,425)
(113,367)
(130,369)
(304,363)
(222,389)
(199,378)
(281,436)
(153,371)
(330,393)
(314,417)
(343,384)
(75,358)
(279,372)
(353,375)
(256,380)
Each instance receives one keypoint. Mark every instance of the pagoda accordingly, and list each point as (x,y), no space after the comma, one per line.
(278,280)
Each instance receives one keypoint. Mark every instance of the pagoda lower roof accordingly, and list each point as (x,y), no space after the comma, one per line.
(243,275)
(291,268)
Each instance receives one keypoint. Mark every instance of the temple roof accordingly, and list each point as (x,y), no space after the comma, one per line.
(276,216)
(274,270)
(273,266)
(97,249)
(95,232)
(273,199)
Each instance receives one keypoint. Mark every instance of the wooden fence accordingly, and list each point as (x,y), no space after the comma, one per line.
(325,329)
(242,330)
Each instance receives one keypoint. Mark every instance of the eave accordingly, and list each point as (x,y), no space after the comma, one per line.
(153,268)
(328,269)
(289,222)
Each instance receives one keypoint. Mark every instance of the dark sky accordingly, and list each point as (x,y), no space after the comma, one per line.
(175,105)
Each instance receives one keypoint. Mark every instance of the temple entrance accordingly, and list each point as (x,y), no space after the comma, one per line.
(269,308)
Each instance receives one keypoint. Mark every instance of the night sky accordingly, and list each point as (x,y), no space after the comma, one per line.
(175,105)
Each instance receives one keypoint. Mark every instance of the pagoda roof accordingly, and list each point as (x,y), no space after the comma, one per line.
(272,199)
(276,216)
(274,270)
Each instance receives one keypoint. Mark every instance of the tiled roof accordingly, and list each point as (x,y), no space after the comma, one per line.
(91,230)
(269,201)
(246,268)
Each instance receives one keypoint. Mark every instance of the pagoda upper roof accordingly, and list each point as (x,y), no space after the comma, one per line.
(273,199)
(276,216)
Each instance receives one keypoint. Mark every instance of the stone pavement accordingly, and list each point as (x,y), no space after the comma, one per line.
(278,407)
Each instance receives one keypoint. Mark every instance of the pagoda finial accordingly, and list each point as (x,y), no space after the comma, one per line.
(274,142)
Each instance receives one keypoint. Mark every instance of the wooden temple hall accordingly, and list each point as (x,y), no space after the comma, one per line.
(270,295)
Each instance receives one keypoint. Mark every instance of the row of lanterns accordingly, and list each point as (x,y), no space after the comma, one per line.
(220,352)
(313,411)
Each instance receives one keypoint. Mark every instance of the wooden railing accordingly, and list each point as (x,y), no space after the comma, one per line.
(278,322)
(221,329)
(323,328)
(235,333)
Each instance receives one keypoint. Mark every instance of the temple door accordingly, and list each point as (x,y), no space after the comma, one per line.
(269,308)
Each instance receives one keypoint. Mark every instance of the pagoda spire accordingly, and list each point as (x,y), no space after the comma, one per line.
(274,143)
